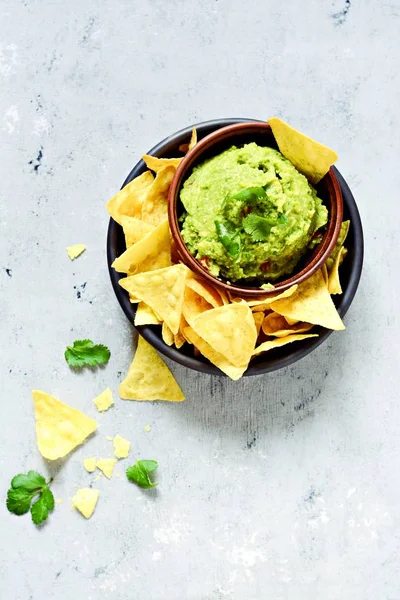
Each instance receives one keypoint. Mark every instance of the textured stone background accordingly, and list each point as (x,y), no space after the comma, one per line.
(283,486)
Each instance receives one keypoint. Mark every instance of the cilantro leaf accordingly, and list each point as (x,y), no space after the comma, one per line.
(41,508)
(48,498)
(24,488)
(139,473)
(230,240)
(19,501)
(250,195)
(84,353)
(30,482)
(258,227)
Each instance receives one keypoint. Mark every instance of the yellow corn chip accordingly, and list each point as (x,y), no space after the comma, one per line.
(258,320)
(150,253)
(104,401)
(193,304)
(205,290)
(179,339)
(149,377)
(59,427)
(344,230)
(193,141)
(308,156)
(213,356)
(156,164)
(277,326)
(291,321)
(134,229)
(155,206)
(145,315)
(121,447)
(129,200)
(75,251)
(90,464)
(85,501)
(277,343)
(311,303)
(167,335)
(265,303)
(162,290)
(106,465)
(230,330)
(334,286)
(324,272)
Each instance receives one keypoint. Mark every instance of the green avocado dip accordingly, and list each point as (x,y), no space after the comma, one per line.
(249,214)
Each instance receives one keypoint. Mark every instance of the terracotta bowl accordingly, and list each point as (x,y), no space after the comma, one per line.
(350,271)
(238,134)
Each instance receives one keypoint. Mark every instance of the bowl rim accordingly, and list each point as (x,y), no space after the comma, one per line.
(273,363)
(321,253)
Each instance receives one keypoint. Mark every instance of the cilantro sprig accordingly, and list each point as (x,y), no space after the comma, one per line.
(230,239)
(24,489)
(139,473)
(84,353)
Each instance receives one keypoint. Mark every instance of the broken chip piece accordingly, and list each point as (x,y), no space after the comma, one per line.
(104,400)
(75,251)
(59,427)
(85,501)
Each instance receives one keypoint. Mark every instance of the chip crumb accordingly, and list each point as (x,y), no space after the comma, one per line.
(104,400)
(90,464)
(59,501)
(147,428)
(121,447)
(106,465)
(75,251)
(98,476)
(85,501)
(109,438)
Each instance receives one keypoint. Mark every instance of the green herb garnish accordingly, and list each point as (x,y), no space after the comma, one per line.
(258,227)
(139,473)
(84,353)
(230,239)
(24,488)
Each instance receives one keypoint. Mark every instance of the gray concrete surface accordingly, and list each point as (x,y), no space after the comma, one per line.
(283,486)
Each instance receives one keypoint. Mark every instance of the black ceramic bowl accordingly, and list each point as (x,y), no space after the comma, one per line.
(350,271)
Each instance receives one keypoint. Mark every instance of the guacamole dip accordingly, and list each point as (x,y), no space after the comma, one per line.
(250,215)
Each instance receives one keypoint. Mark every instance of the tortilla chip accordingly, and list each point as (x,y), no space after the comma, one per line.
(258,321)
(134,229)
(162,290)
(344,230)
(106,465)
(155,205)
(206,291)
(156,164)
(193,304)
(216,358)
(324,272)
(59,427)
(129,200)
(150,253)
(230,330)
(167,335)
(179,339)
(275,325)
(193,141)
(104,401)
(311,303)
(265,303)
(277,343)
(85,501)
(149,377)
(145,315)
(334,286)
(291,321)
(75,251)
(308,156)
